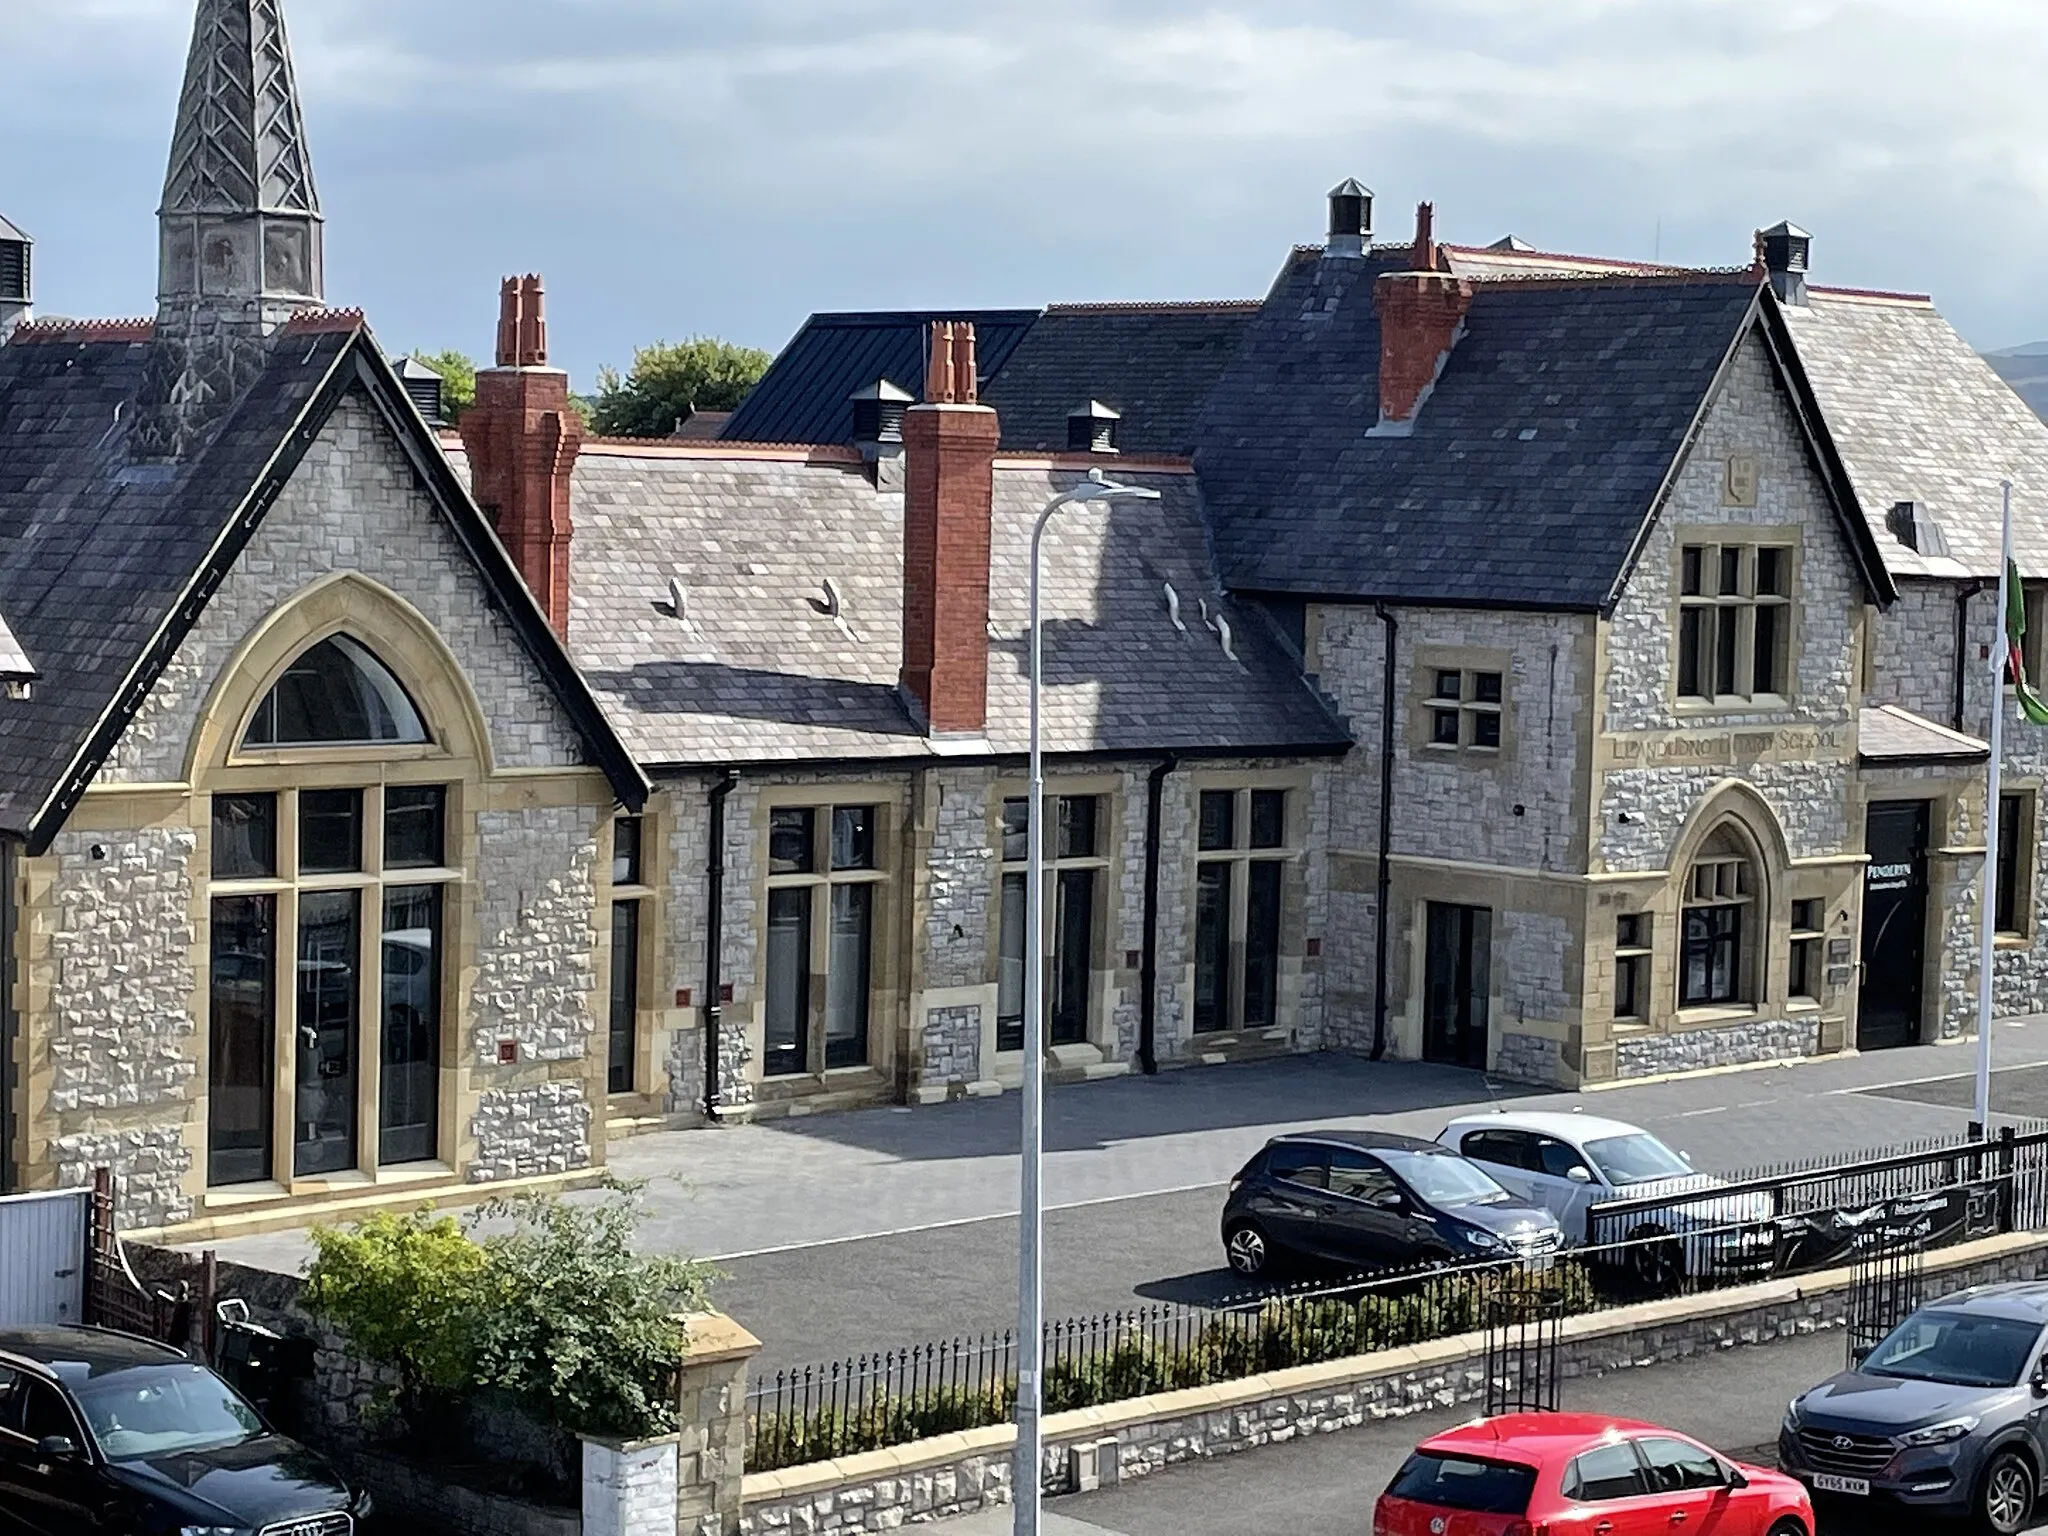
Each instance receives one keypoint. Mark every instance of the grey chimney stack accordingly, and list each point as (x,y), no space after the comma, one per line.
(17,293)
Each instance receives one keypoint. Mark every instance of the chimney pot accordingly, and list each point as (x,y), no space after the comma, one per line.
(523,438)
(948,506)
(1350,219)
(1422,257)
(1786,250)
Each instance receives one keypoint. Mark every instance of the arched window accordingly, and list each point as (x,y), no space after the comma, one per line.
(336,694)
(1719,938)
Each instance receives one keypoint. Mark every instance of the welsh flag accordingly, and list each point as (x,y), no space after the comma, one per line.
(2031,705)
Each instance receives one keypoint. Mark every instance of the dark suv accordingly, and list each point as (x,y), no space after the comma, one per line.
(105,1434)
(1944,1416)
(1370,1200)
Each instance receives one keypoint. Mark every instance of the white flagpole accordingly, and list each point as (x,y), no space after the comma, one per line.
(1988,890)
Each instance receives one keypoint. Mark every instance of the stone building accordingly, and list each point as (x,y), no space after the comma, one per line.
(1562,667)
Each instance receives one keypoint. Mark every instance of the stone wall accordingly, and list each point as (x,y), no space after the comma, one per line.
(960,1473)
(1913,649)
(521,1132)
(1688,1050)
(951,1046)
(354,504)
(117,1031)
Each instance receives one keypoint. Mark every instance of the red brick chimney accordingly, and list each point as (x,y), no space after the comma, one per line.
(949,450)
(522,439)
(1422,314)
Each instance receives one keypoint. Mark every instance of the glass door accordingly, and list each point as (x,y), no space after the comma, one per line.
(329,956)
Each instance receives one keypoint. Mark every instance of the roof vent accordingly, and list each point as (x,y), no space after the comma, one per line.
(878,412)
(1350,219)
(1511,243)
(678,599)
(1914,526)
(423,384)
(15,294)
(1092,428)
(1785,249)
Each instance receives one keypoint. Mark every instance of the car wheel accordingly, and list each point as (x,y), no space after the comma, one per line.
(1788,1528)
(1248,1251)
(2005,1497)
(1655,1261)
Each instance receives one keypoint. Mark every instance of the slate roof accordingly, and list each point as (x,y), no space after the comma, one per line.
(104,563)
(1532,465)
(1919,416)
(1887,734)
(1155,363)
(757,672)
(803,396)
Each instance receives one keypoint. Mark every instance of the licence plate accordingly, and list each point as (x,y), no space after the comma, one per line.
(1827,1482)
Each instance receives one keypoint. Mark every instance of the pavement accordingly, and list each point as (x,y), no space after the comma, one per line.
(1325,1485)
(845,1234)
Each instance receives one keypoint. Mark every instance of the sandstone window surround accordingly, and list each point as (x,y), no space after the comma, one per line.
(1805,977)
(1736,619)
(1077,836)
(2017,854)
(635,943)
(1719,928)
(335,1074)
(1465,709)
(827,881)
(1245,847)
(1632,956)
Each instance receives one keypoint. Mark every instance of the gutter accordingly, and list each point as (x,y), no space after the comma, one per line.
(1148,968)
(1386,869)
(1962,666)
(714,935)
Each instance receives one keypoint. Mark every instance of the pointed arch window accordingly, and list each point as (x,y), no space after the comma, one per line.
(1716,958)
(336,694)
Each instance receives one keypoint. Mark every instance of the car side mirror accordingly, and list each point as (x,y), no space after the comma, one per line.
(1579,1173)
(56,1446)
(1736,1479)
(2040,1377)
(1389,1200)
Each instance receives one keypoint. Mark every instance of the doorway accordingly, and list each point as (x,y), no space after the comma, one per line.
(1458,976)
(1894,924)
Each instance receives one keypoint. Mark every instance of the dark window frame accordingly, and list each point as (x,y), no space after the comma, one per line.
(1062,971)
(1240,907)
(843,842)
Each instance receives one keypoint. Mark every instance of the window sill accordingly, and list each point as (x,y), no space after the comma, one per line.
(1715,1013)
(1733,704)
(2005,940)
(228,1196)
(414,1173)
(1802,1005)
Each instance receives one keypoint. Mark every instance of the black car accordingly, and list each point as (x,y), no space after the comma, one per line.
(1370,1200)
(106,1434)
(1948,1416)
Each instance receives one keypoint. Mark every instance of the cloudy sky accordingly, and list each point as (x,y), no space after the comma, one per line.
(678,167)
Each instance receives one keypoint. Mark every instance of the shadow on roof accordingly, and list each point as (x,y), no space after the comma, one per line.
(710,688)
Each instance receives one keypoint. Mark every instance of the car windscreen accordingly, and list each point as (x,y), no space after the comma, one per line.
(164,1410)
(1958,1348)
(1636,1158)
(1464,1482)
(1445,1181)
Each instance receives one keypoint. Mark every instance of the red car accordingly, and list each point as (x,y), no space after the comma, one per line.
(1583,1474)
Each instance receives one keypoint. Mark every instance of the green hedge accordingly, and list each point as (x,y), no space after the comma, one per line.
(1286,1331)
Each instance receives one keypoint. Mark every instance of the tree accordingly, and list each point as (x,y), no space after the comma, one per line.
(669,381)
(458,380)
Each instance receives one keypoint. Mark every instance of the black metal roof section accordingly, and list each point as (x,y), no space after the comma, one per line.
(1157,364)
(106,565)
(803,397)
(1532,470)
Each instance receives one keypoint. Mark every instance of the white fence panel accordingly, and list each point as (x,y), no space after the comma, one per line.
(42,1257)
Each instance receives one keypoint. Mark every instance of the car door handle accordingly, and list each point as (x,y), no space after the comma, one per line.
(1603,1528)
(1678,1517)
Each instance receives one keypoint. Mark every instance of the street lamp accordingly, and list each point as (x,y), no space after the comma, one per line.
(1031,1215)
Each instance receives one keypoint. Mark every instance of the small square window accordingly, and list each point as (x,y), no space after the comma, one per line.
(1077,826)
(1269,818)
(1016,830)
(1632,931)
(1486,687)
(1443,727)
(1809,916)
(1486,730)
(244,837)
(791,841)
(853,837)
(1450,685)
(415,817)
(330,831)
(1219,820)
(1770,572)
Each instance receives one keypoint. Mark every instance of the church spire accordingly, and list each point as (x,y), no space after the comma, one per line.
(240,223)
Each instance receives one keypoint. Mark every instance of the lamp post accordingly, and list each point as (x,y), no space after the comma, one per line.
(1031,1213)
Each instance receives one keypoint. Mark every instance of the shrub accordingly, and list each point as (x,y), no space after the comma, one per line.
(557,1312)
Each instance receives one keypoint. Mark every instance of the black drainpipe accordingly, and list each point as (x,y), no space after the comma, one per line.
(1963,596)
(714,936)
(1386,874)
(1148,968)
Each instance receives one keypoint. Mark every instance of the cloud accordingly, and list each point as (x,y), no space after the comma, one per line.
(684,165)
